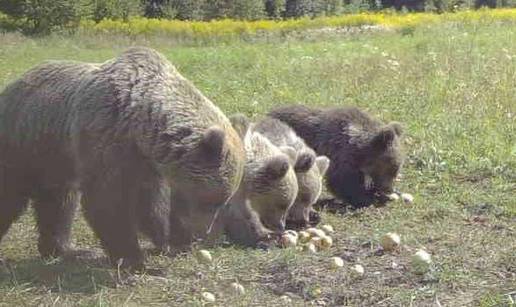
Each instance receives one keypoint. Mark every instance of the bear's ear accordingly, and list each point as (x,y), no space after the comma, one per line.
(290,152)
(323,163)
(276,167)
(240,123)
(396,127)
(304,162)
(213,140)
(383,139)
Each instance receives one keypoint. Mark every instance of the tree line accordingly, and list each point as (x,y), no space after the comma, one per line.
(42,16)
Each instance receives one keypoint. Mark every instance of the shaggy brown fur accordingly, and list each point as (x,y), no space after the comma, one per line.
(127,133)
(365,154)
(259,208)
(309,171)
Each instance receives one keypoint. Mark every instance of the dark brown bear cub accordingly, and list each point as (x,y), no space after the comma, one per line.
(365,154)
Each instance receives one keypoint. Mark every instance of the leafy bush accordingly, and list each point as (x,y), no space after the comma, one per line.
(297,8)
(42,16)
(114,9)
(8,24)
(237,9)
(358,6)
(312,8)
(327,7)
(495,3)
(216,9)
(154,8)
(274,8)
(247,9)
(187,9)
(227,27)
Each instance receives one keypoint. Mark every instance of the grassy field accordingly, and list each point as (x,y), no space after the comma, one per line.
(454,88)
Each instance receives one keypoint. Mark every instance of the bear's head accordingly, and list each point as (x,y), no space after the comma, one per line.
(270,182)
(207,177)
(269,185)
(309,178)
(383,158)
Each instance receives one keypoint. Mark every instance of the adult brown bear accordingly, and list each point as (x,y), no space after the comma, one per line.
(365,154)
(128,133)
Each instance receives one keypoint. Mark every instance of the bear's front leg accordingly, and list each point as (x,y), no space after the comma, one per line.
(110,209)
(154,212)
(243,226)
(349,186)
(361,197)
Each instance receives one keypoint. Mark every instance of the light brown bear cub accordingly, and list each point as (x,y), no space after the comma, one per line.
(126,133)
(259,208)
(309,170)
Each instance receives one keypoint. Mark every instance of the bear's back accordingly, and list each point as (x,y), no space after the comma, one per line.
(38,105)
(330,131)
(142,95)
(280,134)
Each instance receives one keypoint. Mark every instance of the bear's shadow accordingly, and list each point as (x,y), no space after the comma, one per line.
(337,206)
(86,275)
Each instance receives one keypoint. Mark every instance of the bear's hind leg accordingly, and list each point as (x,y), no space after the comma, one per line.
(13,199)
(12,206)
(55,210)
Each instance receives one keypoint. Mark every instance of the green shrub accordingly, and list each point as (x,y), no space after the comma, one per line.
(274,8)
(216,9)
(312,8)
(43,16)
(247,9)
(114,9)
(186,9)
(358,6)
(8,24)
(236,9)
(297,8)
(326,7)
(495,3)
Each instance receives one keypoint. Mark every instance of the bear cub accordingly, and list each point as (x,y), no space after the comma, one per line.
(309,170)
(257,212)
(366,155)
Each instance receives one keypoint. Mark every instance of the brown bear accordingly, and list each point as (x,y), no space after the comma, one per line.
(257,212)
(365,154)
(128,133)
(309,170)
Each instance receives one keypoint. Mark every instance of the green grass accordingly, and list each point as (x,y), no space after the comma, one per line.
(453,87)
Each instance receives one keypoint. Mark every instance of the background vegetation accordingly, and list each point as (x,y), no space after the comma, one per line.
(265,29)
(45,16)
(453,85)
